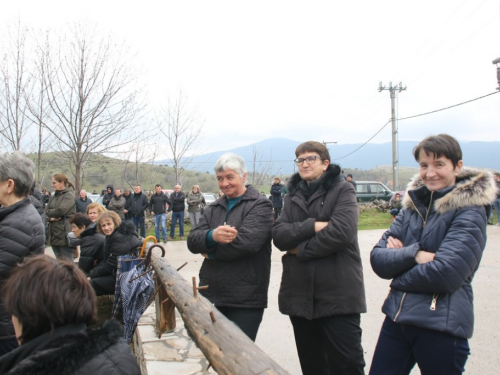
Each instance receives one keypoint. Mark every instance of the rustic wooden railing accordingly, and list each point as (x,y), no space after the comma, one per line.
(226,347)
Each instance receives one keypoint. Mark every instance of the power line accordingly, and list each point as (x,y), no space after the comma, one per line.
(422,114)
(451,106)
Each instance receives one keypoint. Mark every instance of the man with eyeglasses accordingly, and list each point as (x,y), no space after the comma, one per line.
(322,287)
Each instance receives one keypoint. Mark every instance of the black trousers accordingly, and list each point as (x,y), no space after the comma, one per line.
(248,320)
(104,285)
(329,345)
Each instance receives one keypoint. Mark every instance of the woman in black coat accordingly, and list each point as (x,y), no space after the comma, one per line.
(276,197)
(121,239)
(51,304)
(322,287)
(91,241)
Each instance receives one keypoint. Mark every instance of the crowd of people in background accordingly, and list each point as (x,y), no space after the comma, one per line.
(439,226)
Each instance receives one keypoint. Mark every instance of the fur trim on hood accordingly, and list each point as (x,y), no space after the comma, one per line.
(331,176)
(473,188)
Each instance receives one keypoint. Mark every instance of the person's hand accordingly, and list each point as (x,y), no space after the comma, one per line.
(125,211)
(204,255)
(424,257)
(320,225)
(292,251)
(224,234)
(152,213)
(394,243)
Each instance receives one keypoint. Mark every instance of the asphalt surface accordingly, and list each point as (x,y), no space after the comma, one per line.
(275,335)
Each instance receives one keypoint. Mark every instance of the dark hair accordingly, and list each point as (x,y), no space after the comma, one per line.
(313,146)
(80,220)
(158,185)
(440,145)
(496,174)
(44,293)
(349,175)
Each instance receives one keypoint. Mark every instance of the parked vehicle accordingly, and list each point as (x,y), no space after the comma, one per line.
(96,198)
(209,198)
(367,191)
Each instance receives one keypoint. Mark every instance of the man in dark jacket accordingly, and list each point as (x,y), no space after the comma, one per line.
(110,193)
(127,195)
(158,207)
(322,287)
(21,228)
(138,203)
(178,206)
(234,236)
(276,198)
(82,202)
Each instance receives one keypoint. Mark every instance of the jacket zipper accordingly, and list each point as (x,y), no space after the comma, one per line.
(400,306)
(428,209)
(434,301)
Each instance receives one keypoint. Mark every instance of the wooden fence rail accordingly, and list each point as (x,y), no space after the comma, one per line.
(225,346)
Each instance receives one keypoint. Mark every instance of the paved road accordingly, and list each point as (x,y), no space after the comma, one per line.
(275,336)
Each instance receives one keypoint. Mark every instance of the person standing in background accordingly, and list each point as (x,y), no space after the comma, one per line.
(60,207)
(117,203)
(158,208)
(276,198)
(82,202)
(349,179)
(138,204)
(195,201)
(178,207)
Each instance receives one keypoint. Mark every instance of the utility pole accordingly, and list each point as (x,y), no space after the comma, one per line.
(395,159)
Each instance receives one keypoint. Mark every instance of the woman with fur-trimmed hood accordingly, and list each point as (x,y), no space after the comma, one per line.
(431,253)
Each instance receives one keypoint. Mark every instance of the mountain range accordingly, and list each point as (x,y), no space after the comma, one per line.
(277,154)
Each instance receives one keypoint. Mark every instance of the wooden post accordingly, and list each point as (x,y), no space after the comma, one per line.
(226,347)
(165,310)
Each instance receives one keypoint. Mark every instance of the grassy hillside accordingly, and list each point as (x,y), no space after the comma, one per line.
(102,170)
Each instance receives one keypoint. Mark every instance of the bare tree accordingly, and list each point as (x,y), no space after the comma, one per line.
(91,95)
(16,85)
(183,129)
(261,169)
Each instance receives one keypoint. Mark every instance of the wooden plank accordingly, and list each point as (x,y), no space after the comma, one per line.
(226,347)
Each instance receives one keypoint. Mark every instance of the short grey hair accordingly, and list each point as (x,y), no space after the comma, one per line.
(230,161)
(19,168)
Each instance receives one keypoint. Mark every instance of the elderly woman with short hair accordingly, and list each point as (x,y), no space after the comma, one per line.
(234,236)
(61,206)
(21,228)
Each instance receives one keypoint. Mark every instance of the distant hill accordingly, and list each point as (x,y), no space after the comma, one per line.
(278,153)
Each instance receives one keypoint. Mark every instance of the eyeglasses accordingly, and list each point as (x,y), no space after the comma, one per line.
(309,160)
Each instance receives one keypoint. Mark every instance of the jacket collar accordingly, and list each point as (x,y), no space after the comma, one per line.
(472,188)
(330,177)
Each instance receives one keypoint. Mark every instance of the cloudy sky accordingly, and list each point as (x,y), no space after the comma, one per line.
(306,69)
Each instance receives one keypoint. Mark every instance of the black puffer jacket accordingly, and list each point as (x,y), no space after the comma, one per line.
(73,350)
(325,278)
(238,275)
(91,248)
(21,234)
(436,295)
(178,201)
(122,241)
